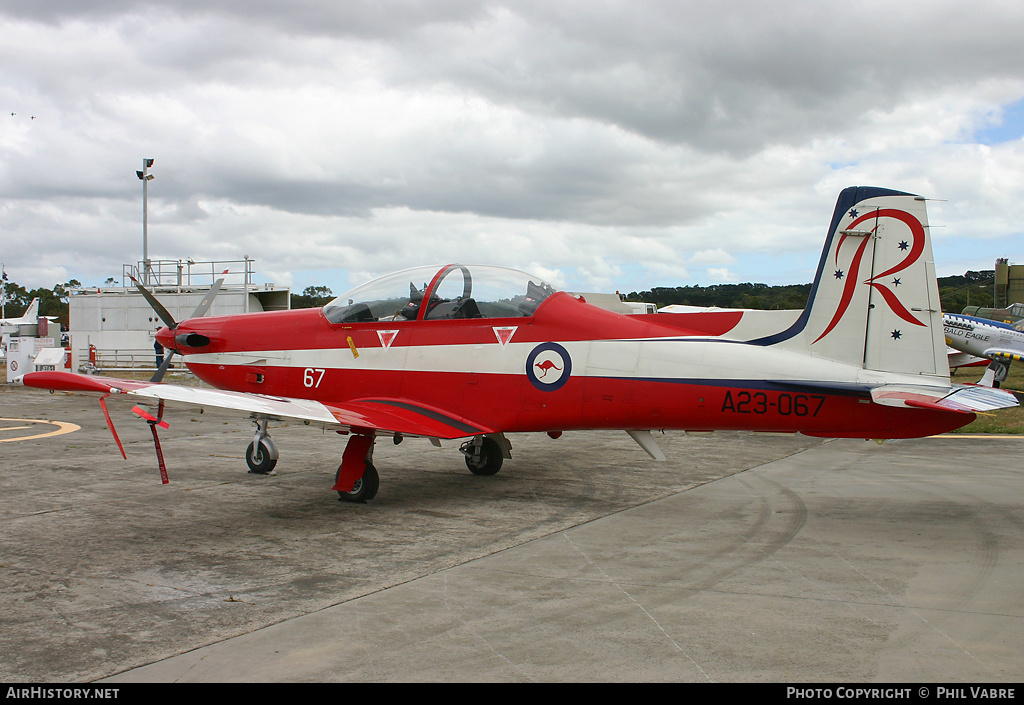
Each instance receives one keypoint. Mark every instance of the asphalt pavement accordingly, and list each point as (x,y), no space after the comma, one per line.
(743,558)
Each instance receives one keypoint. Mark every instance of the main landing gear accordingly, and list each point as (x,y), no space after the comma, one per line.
(356,479)
(485,454)
(364,489)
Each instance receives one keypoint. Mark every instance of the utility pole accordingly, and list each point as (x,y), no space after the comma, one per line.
(146,177)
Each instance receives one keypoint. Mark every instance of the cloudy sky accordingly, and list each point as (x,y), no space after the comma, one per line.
(603,144)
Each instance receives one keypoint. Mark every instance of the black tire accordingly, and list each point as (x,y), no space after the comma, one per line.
(365,488)
(487,459)
(259,460)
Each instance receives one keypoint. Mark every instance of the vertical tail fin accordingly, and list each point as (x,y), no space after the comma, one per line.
(875,299)
(32,312)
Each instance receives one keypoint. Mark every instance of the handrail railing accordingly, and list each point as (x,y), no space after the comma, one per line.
(188,273)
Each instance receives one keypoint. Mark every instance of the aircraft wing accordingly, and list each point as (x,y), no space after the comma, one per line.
(1005,353)
(385,414)
(956,359)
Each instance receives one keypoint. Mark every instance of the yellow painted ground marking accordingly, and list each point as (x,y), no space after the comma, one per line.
(979,435)
(62,428)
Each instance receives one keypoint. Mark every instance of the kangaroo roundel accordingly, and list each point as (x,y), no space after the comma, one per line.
(548,366)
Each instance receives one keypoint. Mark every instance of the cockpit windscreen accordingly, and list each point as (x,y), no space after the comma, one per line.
(461,291)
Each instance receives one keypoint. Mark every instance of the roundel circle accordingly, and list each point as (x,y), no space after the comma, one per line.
(548,366)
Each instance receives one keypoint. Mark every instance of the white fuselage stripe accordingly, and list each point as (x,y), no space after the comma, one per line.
(665,359)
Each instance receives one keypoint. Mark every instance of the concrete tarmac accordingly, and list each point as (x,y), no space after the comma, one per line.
(744,558)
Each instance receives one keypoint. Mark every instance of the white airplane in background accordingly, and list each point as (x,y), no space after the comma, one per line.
(959,359)
(995,341)
(30,318)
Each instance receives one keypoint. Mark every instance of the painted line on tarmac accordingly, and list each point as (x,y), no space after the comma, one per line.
(62,428)
(979,435)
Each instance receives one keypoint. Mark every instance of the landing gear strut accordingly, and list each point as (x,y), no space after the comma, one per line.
(261,455)
(998,369)
(357,479)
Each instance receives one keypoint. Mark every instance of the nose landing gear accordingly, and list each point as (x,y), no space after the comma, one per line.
(261,455)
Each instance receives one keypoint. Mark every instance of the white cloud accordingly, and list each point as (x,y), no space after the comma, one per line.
(715,256)
(615,146)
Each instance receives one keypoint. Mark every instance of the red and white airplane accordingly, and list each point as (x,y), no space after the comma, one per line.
(478,352)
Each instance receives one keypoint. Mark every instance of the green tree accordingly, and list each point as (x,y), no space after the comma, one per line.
(971,289)
(312,297)
(746,295)
(52,302)
(17,299)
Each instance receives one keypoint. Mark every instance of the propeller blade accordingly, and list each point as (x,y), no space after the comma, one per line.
(207,301)
(169,321)
(156,305)
(162,370)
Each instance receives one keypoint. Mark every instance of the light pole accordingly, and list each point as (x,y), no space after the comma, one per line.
(146,177)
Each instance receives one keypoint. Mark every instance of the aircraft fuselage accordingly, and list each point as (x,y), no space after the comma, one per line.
(982,337)
(548,373)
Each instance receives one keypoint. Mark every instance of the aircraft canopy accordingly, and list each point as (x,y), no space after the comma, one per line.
(436,293)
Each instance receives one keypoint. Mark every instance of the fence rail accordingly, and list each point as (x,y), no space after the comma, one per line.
(122,359)
(125,360)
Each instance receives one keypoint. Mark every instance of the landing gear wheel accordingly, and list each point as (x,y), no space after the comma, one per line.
(259,459)
(485,459)
(365,488)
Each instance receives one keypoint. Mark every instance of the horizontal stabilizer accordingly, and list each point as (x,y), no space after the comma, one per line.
(963,398)
(977,398)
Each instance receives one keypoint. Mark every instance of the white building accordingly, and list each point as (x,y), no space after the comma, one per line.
(113,326)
